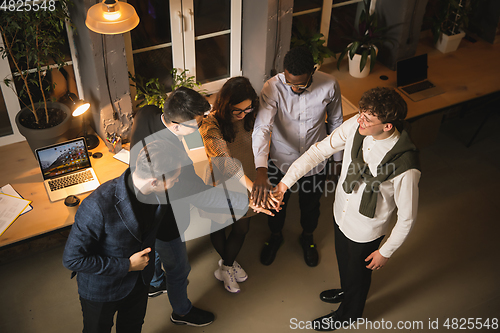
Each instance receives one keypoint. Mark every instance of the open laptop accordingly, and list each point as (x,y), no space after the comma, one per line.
(412,79)
(66,169)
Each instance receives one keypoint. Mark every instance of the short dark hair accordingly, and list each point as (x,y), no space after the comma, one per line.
(235,91)
(299,60)
(184,104)
(158,158)
(386,104)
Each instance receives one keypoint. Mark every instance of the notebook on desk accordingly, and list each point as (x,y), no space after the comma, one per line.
(412,79)
(66,169)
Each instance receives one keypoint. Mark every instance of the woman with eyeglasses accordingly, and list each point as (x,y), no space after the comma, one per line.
(227,136)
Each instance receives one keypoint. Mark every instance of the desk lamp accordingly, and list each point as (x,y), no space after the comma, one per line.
(79,107)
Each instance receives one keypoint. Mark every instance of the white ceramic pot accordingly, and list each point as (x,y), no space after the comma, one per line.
(447,43)
(354,65)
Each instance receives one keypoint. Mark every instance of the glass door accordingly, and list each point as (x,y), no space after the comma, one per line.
(152,41)
(202,36)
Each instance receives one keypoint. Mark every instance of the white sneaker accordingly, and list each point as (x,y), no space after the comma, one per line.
(239,273)
(226,274)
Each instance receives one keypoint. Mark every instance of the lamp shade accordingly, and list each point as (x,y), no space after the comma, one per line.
(111,17)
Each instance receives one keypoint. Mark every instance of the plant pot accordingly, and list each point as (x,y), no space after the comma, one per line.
(354,65)
(44,137)
(447,43)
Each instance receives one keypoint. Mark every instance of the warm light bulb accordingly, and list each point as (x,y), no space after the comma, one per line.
(81,109)
(112,16)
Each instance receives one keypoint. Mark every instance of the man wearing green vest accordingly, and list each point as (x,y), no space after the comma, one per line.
(380,172)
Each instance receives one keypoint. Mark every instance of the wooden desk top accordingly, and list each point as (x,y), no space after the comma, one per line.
(20,169)
(471,71)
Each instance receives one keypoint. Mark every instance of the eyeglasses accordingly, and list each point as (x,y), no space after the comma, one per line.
(247,110)
(198,124)
(367,122)
(300,86)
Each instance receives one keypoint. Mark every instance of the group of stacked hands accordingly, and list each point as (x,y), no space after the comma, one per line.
(127,239)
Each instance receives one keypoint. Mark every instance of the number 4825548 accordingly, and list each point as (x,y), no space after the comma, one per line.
(27,5)
(471,323)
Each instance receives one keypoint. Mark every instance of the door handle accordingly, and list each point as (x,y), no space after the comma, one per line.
(191,18)
(181,19)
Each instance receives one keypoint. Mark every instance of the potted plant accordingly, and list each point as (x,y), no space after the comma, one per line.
(32,41)
(363,49)
(449,22)
(315,41)
(153,92)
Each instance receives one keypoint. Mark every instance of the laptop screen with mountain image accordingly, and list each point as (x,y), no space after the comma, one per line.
(66,169)
(412,79)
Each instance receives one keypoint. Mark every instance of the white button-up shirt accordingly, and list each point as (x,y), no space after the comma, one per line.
(295,121)
(400,191)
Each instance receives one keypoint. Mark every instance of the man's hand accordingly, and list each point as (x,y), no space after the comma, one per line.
(278,195)
(261,188)
(139,260)
(259,209)
(377,260)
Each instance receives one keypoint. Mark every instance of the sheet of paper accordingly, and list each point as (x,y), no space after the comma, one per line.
(123,156)
(8,189)
(10,208)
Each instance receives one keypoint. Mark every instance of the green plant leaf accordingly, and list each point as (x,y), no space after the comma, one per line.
(342,55)
(354,48)
(364,58)
(373,57)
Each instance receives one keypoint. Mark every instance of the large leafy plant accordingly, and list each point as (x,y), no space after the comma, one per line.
(315,41)
(32,41)
(366,37)
(152,92)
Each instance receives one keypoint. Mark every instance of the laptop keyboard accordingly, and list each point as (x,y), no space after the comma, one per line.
(70,180)
(414,88)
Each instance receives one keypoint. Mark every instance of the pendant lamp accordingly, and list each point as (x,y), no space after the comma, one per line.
(111,17)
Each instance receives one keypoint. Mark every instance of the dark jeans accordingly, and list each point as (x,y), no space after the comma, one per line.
(98,316)
(355,278)
(310,192)
(173,255)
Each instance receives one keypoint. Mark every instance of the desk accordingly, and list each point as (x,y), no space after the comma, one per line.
(20,169)
(470,72)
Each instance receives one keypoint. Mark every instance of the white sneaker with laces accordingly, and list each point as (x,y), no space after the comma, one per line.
(226,274)
(239,273)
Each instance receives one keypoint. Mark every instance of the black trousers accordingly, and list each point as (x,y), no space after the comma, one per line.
(310,191)
(355,278)
(98,316)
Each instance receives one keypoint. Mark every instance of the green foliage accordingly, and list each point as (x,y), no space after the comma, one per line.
(451,17)
(153,92)
(301,35)
(181,79)
(32,39)
(367,35)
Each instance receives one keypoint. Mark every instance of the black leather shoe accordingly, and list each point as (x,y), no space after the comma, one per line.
(332,296)
(270,249)
(310,251)
(326,323)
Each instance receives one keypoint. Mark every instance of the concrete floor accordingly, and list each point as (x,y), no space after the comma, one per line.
(447,268)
